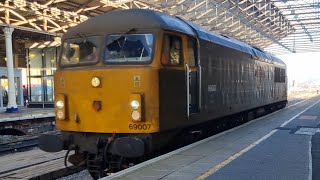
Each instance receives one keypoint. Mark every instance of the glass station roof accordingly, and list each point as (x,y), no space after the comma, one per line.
(278,26)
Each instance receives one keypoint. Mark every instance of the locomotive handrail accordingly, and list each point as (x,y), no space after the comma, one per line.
(199,84)
(188,88)
(199,75)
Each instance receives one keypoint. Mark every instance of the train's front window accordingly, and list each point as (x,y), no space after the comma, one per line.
(128,48)
(80,50)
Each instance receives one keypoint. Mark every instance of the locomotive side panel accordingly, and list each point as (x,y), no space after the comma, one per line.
(172,111)
(232,82)
(227,80)
(280,83)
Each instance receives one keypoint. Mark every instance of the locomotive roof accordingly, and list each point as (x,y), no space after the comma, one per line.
(125,20)
(232,43)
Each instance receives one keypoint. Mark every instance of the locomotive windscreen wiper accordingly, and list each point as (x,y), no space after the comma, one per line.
(82,36)
(121,36)
(119,43)
(128,48)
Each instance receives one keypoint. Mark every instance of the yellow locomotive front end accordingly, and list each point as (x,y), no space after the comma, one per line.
(107,100)
(109,86)
(106,95)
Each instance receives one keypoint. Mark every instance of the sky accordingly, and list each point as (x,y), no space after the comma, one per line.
(302,66)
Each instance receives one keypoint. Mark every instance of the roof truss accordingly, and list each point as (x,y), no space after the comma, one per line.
(258,22)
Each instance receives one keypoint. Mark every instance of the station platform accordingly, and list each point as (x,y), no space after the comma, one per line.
(282,145)
(26,114)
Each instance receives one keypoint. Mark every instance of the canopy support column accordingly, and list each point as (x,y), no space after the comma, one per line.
(12,105)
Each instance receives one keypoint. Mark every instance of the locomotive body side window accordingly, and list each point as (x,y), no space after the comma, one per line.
(128,48)
(80,51)
(283,75)
(171,50)
(279,75)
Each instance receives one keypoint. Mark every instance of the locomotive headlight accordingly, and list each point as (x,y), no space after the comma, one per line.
(60,114)
(135,107)
(136,116)
(95,82)
(59,104)
(134,104)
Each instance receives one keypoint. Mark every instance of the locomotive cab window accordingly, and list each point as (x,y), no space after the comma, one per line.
(171,50)
(80,50)
(192,52)
(128,48)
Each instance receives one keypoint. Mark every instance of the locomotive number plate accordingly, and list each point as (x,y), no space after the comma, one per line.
(139,126)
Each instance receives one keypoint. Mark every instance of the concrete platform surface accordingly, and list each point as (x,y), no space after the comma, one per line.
(26,113)
(281,145)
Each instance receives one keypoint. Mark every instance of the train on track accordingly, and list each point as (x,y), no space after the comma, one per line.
(129,82)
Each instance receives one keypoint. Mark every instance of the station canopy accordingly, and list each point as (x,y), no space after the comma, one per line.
(278,26)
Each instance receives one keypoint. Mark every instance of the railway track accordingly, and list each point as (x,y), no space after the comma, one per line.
(35,164)
(31,164)
(21,143)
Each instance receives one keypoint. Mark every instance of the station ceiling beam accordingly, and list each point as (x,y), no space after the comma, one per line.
(260,23)
(41,17)
(237,19)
